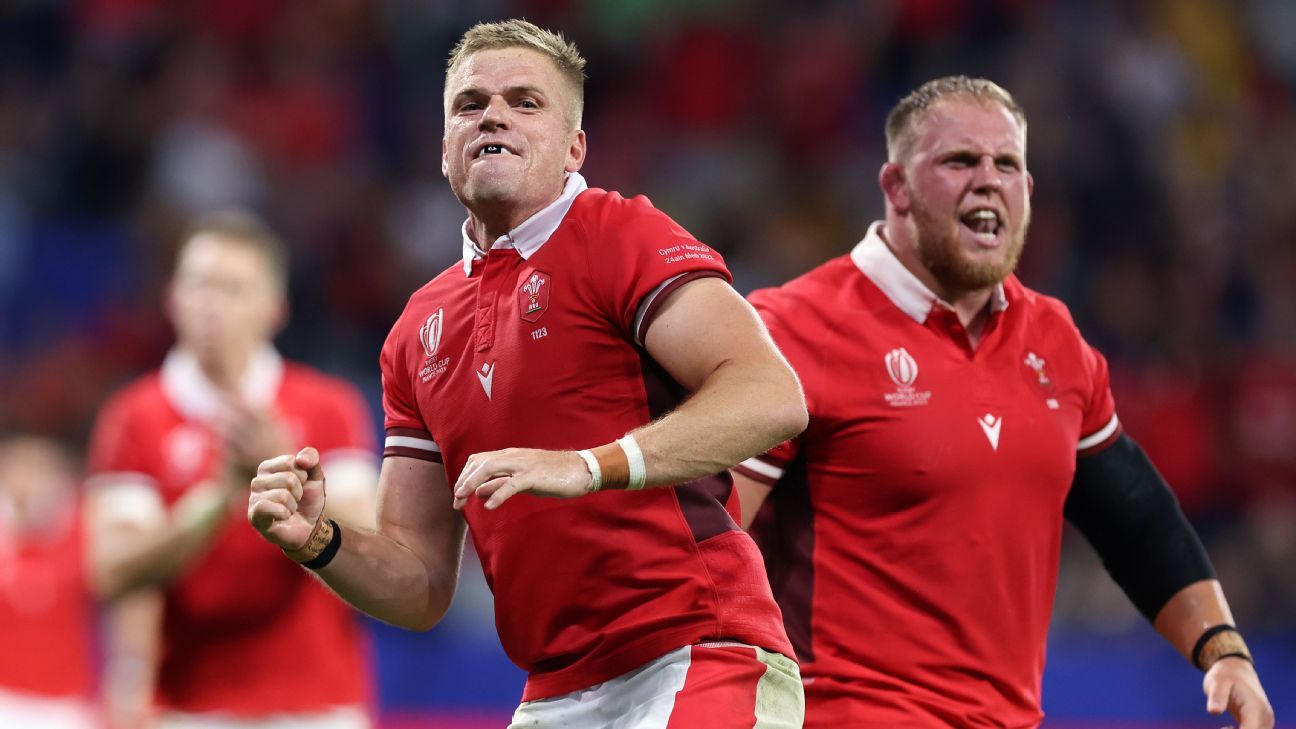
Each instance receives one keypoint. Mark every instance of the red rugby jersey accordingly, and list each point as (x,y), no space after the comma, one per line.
(912,536)
(46,614)
(245,631)
(533,344)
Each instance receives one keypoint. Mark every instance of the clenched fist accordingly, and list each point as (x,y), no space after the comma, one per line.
(287,498)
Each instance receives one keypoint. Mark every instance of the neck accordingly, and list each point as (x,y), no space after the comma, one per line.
(225,369)
(485,228)
(488,221)
(972,307)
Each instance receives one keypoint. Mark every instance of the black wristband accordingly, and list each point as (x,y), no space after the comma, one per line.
(1199,645)
(329,552)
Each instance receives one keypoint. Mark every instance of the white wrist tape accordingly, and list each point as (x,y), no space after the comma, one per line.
(596,473)
(634,455)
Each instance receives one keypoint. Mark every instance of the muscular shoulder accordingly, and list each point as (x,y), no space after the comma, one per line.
(600,212)
(1045,313)
(596,206)
(430,294)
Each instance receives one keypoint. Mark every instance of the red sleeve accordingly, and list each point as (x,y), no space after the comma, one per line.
(641,257)
(1100,426)
(770,466)
(406,433)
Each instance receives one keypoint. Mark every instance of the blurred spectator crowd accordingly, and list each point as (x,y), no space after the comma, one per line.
(1162,140)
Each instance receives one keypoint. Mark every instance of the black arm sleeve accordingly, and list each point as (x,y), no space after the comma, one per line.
(1132,518)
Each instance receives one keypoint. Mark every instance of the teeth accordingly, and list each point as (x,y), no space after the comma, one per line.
(984,224)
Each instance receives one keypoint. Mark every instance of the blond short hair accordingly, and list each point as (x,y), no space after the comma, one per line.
(909,112)
(519,33)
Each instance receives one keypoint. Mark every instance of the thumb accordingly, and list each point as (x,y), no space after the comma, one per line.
(1217,693)
(308,459)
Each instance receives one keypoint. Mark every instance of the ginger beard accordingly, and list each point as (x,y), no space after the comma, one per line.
(941,249)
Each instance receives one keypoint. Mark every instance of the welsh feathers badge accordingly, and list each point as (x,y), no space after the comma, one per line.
(533,294)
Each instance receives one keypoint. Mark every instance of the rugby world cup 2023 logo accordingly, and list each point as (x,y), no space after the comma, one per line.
(903,370)
(430,338)
(430,332)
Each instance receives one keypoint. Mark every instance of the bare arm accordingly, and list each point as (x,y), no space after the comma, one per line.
(133,551)
(751,494)
(130,553)
(406,572)
(132,639)
(1131,517)
(1230,683)
(745,400)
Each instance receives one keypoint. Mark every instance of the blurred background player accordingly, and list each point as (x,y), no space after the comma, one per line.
(170,458)
(602,348)
(913,533)
(46,614)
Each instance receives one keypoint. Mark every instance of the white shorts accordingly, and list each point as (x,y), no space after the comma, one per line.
(18,709)
(711,686)
(346,717)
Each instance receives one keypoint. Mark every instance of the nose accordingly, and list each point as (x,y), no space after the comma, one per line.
(987,177)
(495,115)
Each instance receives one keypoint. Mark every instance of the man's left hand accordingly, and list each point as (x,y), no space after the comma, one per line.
(1232,684)
(497,475)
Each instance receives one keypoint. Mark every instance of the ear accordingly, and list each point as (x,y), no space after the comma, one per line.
(1030,184)
(893,180)
(576,152)
(445,168)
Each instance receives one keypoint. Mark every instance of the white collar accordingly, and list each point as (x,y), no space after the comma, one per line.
(906,291)
(531,233)
(197,398)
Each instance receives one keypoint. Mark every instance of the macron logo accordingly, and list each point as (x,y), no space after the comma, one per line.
(485,376)
(990,425)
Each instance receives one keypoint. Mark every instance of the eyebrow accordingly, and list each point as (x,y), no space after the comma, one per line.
(475,91)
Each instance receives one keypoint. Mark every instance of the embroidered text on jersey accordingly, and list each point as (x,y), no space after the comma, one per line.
(903,371)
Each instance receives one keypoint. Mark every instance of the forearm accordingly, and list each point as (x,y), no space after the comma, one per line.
(1131,517)
(130,645)
(738,412)
(1191,612)
(382,578)
(131,559)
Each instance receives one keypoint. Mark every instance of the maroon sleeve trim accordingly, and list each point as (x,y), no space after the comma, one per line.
(651,304)
(753,475)
(420,454)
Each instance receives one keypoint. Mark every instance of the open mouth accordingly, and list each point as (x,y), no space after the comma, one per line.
(984,223)
(490,149)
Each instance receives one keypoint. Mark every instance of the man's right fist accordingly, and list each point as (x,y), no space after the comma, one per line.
(287,498)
